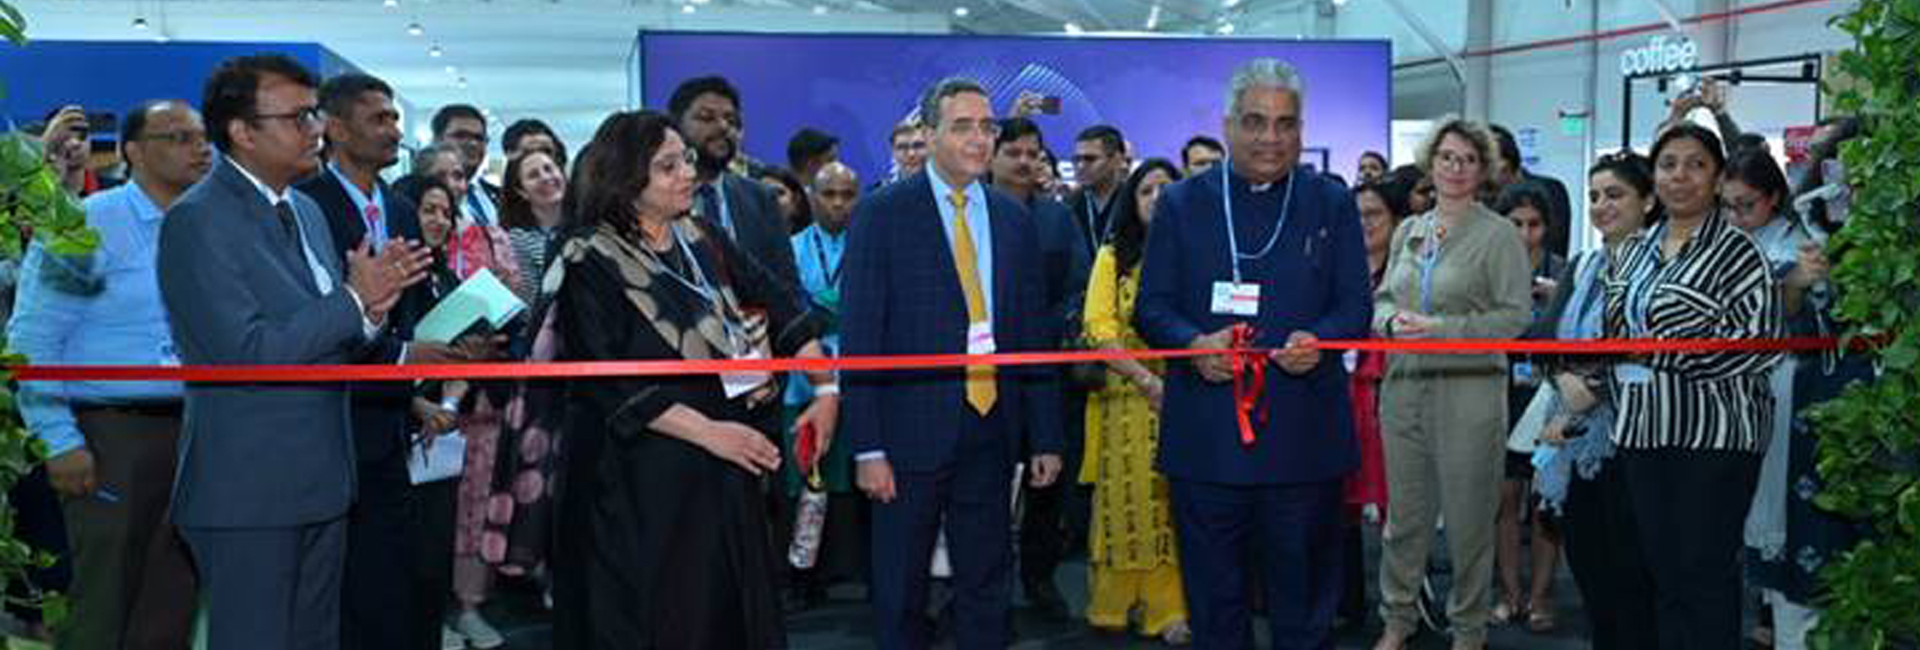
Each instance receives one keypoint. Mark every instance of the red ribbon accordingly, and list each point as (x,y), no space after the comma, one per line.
(590,369)
(1249,381)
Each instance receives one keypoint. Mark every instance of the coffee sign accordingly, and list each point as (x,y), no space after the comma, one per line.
(1662,54)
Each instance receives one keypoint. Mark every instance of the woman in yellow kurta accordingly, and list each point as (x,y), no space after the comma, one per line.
(1132,545)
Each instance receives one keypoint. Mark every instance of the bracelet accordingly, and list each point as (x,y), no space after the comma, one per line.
(823,390)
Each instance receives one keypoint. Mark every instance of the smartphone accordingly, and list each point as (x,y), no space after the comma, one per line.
(1050,105)
(103,122)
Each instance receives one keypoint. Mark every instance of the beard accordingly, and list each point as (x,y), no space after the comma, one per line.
(711,162)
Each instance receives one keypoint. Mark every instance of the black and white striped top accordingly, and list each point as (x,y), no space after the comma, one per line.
(1718,286)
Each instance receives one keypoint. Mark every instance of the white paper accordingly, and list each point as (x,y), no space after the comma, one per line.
(442,460)
(482,296)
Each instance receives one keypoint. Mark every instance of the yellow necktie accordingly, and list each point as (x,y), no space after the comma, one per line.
(981,388)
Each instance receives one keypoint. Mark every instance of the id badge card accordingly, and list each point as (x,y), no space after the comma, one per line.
(1633,374)
(1236,299)
(741,383)
(980,338)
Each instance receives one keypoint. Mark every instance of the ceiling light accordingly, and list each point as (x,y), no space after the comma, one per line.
(463,82)
(434,51)
(819,10)
(1339,3)
(414,29)
(453,70)
(1153,17)
(1230,3)
(961,12)
(391,3)
(686,9)
(700,2)
(1226,29)
(1073,28)
(140,24)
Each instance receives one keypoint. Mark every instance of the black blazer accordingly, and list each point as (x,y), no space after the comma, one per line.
(381,410)
(759,228)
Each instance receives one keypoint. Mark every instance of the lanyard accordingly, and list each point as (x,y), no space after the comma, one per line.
(1093,218)
(1430,262)
(1233,240)
(701,286)
(820,253)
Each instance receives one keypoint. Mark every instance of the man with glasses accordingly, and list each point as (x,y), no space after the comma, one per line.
(1264,243)
(247,276)
(941,264)
(111,445)
(464,128)
(908,144)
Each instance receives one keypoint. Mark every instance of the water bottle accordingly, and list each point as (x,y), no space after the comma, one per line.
(808,523)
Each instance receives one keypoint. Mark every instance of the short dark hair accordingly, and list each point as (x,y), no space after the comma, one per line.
(1525,195)
(1393,192)
(233,90)
(1376,156)
(1757,169)
(1109,137)
(797,187)
(134,125)
(806,144)
(942,89)
(616,168)
(447,114)
(692,89)
(1186,160)
(1503,140)
(1630,167)
(1015,128)
(339,93)
(1690,131)
(520,129)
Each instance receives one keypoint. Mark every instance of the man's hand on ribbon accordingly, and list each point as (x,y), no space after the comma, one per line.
(1216,368)
(1301,355)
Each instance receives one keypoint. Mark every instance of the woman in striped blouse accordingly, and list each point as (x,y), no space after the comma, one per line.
(1690,426)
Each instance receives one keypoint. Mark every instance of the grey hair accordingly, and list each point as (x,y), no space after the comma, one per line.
(1264,73)
(948,87)
(423,158)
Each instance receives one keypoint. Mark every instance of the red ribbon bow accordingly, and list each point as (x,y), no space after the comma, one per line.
(1249,381)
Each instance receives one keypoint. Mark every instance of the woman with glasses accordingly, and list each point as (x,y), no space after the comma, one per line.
(1458,271)
(1690,426)
(663,538)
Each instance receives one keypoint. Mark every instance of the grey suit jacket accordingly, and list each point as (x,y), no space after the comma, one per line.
(257,455)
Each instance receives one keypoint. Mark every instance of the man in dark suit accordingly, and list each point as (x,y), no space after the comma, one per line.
(940,264)
(382,606)
(1100,166)
(1282,252)
(1045,531)
(707,110)
(247,274)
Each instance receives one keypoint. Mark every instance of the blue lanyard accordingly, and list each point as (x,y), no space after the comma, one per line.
(1429,262)
(820,253)
(1233,240)
(704,288)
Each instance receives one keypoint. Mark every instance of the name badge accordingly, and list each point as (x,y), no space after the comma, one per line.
(741,383)
(980,338)
(168,355)
(1523,374)
(1236,299)
(1633,374)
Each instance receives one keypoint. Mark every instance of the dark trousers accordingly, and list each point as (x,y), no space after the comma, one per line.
(436,507)
(1603,551)
(971,495)
(133,583)
(39,523)
(271,588)
(1293,529)
(381,607)
(1050,523)
(1691,507)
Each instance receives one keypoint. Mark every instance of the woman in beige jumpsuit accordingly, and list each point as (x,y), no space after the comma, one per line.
(1458,271)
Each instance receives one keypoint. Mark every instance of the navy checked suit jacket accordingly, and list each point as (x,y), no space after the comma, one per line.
(901,296)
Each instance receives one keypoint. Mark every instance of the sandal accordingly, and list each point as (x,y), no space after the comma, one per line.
(1541,620)
(1505,613)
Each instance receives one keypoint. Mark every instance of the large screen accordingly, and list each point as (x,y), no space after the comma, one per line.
(1157,91)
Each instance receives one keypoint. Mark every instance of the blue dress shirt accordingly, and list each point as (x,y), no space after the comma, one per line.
(977,222)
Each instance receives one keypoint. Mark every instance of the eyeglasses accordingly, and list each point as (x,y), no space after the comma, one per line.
(308,117)
(1456,160)
(673,164)
(988,128)
(194,138)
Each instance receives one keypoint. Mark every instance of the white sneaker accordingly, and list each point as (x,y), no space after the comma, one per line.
(478,631)
(451,640)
